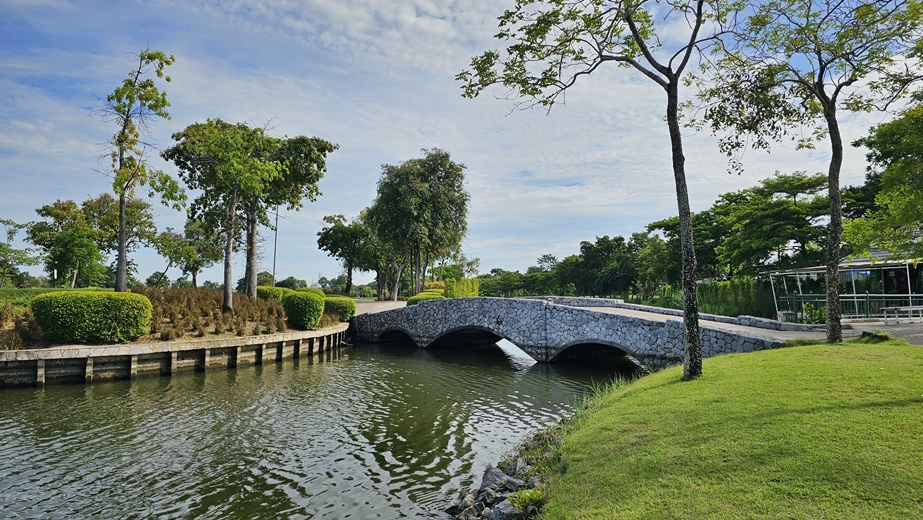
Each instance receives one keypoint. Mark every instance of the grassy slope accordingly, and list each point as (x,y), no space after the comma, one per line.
(802,432)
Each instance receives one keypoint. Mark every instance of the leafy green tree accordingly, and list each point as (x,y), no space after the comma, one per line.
(206,249)
(263,279)
(793,64)
(419,214)
(709,232)
(769,225)
(346,241)
(896,158)
(175,249)
(555,42)
(99,219)
(11,258)
(227,164)
(74,253)
(292,283)
(133,106)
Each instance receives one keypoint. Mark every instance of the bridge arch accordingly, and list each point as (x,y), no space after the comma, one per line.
(467,335)
(395,334)
(591,348)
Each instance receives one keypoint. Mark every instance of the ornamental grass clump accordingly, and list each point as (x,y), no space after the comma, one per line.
(343,306)
(303,309)
(81,317)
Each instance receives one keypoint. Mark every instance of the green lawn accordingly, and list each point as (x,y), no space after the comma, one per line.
(802,432)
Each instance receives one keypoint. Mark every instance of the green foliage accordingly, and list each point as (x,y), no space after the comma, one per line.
(438,284)
(463,288)
(736,297)
(896,157)
(343,306)
(435,291)
(528,501)
(271,293)
(814,313)
(291,283)
(423,296)
(80,316)
(303,309)
(348,242)
(316,290)
(11,258)
(74,255)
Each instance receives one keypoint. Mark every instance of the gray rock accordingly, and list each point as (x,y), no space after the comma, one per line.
(494,479)
(505,511)
(521,467)
(513,484)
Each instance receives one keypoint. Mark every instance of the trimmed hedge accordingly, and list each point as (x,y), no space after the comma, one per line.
(83,316)
(343,306)
(437,284)
(303,309)
(423,296)
(316,290)
(462,288)
(272,293)
(440,292)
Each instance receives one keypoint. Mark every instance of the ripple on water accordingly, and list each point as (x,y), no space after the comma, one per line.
(377,432)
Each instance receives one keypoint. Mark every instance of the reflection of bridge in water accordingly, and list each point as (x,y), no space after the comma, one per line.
(555,329)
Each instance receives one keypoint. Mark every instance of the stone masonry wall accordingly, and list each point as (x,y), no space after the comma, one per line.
(544,329)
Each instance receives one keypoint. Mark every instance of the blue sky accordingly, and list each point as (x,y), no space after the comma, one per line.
(376,77)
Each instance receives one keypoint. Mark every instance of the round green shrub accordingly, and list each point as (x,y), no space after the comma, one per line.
(440,292)
(423,296)
(271,293)
(316,290)
(343,306)
(303,309)
(83,316)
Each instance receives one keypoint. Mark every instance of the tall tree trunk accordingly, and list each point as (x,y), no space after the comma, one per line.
(121,261)
(194,273)
(73,283)
(398,269)
(230,228)
(164,273)
(349,277)
(835,228)
(252,267)
(3,277)
(692,340)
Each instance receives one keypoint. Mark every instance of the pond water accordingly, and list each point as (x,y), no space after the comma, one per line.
(365,432)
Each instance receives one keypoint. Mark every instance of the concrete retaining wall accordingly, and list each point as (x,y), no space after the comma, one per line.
(85,364)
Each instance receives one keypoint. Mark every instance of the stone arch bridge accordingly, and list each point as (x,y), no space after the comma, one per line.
(554,329)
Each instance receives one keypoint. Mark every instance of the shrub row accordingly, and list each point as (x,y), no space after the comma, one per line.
(436,284)
(316,290)
(462,288)
(303,308)
(423,296)
(81,316)
(343,306)
(272,293)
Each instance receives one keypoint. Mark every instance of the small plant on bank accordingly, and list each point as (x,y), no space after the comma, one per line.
(529,502)
(328,320)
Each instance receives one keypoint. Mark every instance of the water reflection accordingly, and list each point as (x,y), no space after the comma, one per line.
(374,431)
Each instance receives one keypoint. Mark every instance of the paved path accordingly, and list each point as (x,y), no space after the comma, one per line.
(912,332)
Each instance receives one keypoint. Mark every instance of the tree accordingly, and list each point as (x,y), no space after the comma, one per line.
(206,249)
(263,279)
(555,42)
(102,214)
(73,252)
(796,63)
(896,158)
(11,258)
(228,164)
(176,250)
(344,241)
(292,283)
(133,106)
(768,224)
(420,213)
(302,162)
